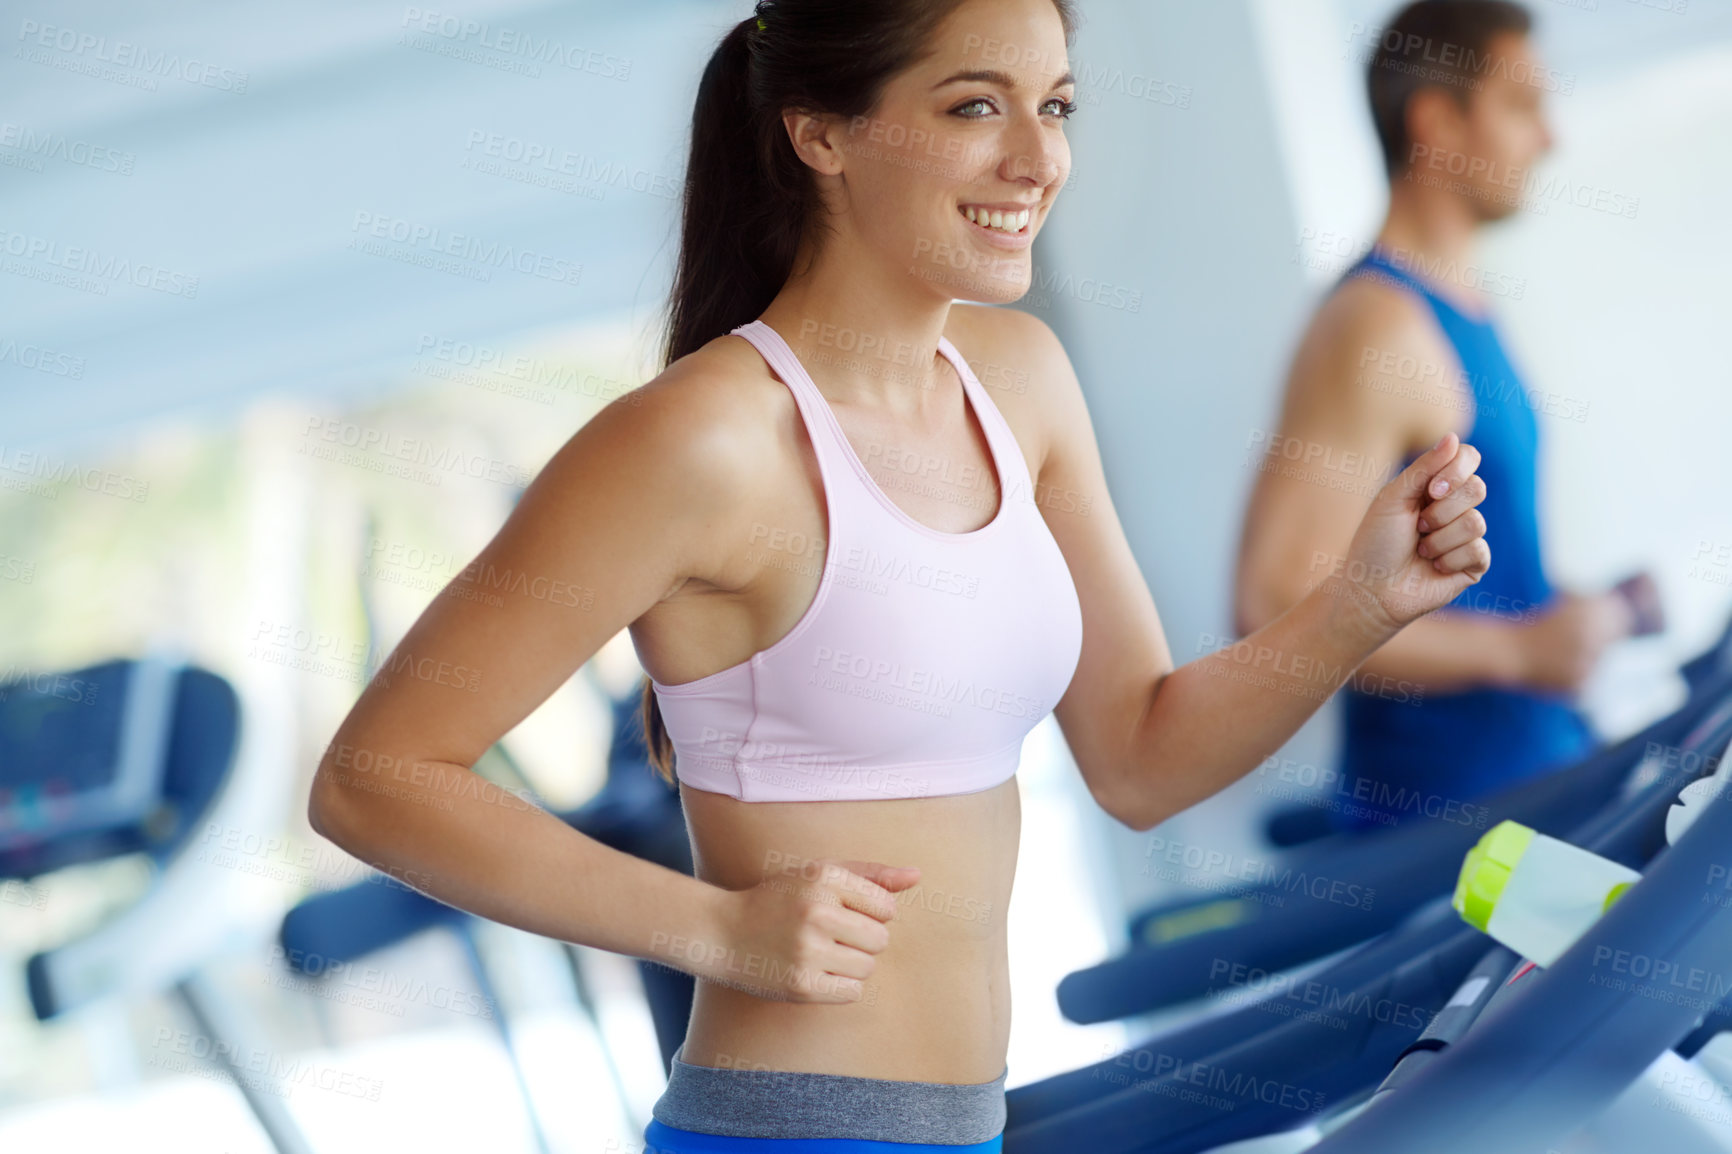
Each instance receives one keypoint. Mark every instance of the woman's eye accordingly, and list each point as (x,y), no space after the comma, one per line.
(1057,106)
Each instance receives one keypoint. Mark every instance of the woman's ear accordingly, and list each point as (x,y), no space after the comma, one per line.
(815,140)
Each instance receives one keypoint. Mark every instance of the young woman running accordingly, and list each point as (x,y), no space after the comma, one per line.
(858,575)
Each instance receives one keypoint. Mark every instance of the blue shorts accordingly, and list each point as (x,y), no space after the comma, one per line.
(708,1110)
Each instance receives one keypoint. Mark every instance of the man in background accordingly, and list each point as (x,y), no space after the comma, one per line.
(1477,695)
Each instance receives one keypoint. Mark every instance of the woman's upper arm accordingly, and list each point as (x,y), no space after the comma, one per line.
(616,520)
(1124,651)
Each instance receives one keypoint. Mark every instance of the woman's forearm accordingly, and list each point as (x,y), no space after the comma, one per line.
(1215,719)
(456,837)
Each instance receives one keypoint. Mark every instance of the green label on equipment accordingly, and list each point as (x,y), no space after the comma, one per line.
(1214,916)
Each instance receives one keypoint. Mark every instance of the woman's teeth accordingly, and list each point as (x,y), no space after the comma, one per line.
(1003,221)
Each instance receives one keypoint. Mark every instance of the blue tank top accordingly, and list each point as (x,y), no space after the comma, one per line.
(1407,754)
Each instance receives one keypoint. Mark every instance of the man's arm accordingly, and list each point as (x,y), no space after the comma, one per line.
(1372,381)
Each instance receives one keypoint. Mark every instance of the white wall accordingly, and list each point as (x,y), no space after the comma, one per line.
(1627,314)
(1183,199)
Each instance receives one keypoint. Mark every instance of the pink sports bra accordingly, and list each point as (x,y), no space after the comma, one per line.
(924,659)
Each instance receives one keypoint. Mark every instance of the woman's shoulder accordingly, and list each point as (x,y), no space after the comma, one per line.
(1011,352)
(995,330)
(1024,369)
(721,390)
(725,372)
(1022,365)
(707,423)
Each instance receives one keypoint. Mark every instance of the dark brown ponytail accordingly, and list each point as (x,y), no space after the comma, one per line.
(748,198)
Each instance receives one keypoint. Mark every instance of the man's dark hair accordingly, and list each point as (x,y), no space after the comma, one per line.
(1433,42)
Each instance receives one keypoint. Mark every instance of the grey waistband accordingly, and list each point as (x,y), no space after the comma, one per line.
(745,1103)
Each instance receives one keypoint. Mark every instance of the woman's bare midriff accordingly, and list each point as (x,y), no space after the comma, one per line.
(937,1005)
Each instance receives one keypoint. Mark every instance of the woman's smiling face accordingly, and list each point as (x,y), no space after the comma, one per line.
(955,170)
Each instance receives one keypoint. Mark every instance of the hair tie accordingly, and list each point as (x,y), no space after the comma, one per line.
(760,24)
